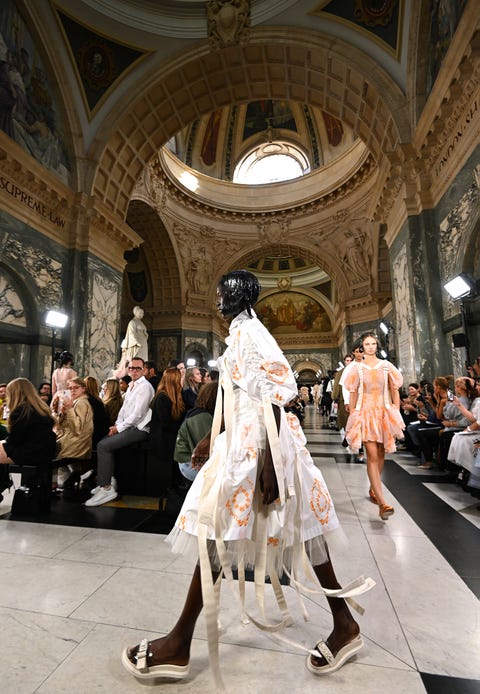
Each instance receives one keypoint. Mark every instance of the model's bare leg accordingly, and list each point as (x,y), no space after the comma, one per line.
(375,463)
(345,628)
(174,648)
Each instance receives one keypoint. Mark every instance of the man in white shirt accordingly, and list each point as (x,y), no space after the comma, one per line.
(131,427)
(357,352)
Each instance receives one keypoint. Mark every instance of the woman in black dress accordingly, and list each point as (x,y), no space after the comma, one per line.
(168,411)
(31,439)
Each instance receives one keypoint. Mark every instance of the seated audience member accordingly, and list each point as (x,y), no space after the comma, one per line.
(180,366)
(168,411)
(409,407)
(3,405)
(151,374)
(193,382)
(45,392)
(130,427)
(463,452)
(30,439)
(112,399)
(451,420)
(455,420)
(124,382)
(101,424)
(206,378)
(196,425)
(74,433)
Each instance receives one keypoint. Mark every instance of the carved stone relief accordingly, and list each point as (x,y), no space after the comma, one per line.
(103,325)
(228,22)
(11,305)
(452,229)
(45,272)
(403,315)
(200,249)
(166,349)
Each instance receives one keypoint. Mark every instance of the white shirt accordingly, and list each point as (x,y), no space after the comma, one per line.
(346,393)
(135,411)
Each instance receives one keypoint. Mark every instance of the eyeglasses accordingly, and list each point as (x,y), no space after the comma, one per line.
(135,368)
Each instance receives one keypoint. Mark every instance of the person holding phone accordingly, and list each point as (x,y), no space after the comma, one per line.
(437,438)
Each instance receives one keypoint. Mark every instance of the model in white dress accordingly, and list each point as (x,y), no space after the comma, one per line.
(259,500)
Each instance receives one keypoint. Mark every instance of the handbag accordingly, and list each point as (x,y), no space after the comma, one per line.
(34,494)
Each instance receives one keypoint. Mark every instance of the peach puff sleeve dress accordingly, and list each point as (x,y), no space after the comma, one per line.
(374,417)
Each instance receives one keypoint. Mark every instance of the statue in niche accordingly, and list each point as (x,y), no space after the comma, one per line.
(357,253)
(134,344)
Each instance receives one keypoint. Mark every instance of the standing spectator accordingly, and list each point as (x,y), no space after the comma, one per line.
(168,410)
(63,374)
(374,417)
(131,427)
(193,381)
(337,395)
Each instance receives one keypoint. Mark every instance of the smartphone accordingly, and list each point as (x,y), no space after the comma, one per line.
(449,395)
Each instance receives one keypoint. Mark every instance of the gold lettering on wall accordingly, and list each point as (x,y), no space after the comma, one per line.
(26,199)
(463,126)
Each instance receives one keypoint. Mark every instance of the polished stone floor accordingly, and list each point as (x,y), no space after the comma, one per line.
(72,595)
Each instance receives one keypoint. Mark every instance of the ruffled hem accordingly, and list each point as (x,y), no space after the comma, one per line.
(372,425)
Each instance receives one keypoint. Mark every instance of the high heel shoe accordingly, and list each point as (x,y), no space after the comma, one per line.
(372,496)
(384,511)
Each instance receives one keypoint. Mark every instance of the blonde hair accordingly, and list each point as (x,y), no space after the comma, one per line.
(21,393)
(91,386)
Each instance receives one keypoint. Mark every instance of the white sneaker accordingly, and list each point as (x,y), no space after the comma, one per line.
(113,484)
(102,497)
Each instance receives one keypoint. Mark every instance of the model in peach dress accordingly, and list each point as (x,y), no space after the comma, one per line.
(375,418)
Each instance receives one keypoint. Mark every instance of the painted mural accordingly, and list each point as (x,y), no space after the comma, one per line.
(29,111)
(98,60)
(444,19)
(267,113)
(290,312)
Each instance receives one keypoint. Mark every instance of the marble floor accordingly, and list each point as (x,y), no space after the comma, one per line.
(72,595)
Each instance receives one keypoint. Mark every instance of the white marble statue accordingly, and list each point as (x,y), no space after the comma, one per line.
(135,342)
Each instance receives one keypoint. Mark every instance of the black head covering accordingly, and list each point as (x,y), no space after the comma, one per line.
(240,290)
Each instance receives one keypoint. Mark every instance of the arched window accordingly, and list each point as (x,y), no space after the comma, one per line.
(270,163)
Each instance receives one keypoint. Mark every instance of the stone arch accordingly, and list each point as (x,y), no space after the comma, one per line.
(300,66)
(242,259)
(160,256)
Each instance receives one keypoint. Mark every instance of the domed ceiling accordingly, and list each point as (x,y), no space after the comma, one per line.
(216,144)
